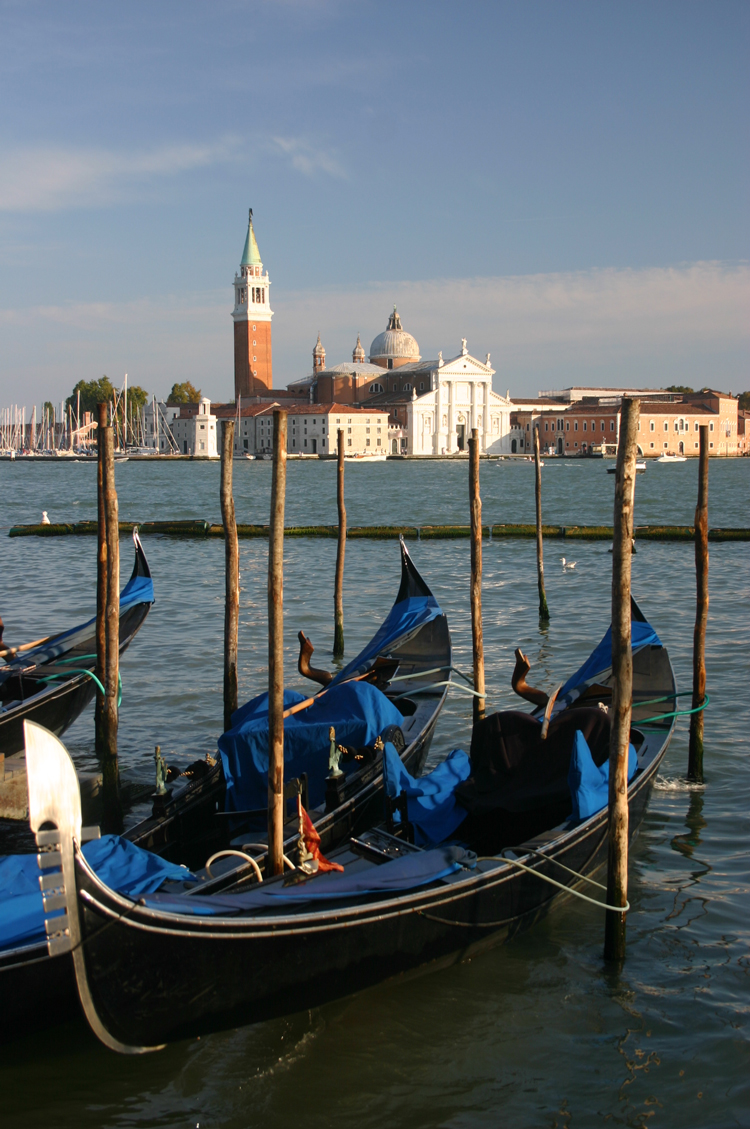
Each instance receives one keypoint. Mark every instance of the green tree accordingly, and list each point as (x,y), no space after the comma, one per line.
(93,392)
(49,408)
(744,401)
(185,393)
(677,388)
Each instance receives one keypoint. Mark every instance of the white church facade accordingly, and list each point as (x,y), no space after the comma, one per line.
(433,405)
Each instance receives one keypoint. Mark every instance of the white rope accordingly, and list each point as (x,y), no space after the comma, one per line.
(236,854)
(560,886)
(264,848)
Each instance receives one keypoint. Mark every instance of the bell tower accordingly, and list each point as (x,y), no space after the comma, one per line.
(252,322)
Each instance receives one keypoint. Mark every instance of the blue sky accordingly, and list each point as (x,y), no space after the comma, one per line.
(564,184)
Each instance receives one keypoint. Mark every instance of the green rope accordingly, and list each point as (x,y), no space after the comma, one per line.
(92,676)
(674,713)
(73,670)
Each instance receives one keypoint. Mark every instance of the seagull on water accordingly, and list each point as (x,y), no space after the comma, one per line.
(567,564)
(45,519)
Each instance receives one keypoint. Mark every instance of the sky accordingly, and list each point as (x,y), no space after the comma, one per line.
(563,184)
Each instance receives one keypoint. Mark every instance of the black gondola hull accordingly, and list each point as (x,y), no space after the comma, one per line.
(158,978)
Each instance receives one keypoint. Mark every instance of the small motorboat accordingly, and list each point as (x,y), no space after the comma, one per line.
(640,465)
(666,458)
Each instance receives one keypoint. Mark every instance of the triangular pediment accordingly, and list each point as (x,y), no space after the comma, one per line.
(465,365)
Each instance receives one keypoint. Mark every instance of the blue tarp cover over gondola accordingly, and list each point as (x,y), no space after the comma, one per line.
(358,711)
(391,878)
(600,660)
(120,864)
(408,614)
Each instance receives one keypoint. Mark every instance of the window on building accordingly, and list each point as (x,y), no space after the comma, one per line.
(348,442)
(665,443)
(584,425)
(305,442)
(652,426)
(421,385)
(390,363)
(367,442)
(711,445)
(546,426)
(407,388)
(593,425)
(338,421)
(567,425)
(652,446)
(711,426)
(380,442)
(294,443)
(349,430)
(696,446)
(602,425)
(696,425)
(575,427)
(611,425)
(666,426)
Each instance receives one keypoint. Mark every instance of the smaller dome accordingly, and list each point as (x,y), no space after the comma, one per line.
(395,343)
(359,353)
(319,351)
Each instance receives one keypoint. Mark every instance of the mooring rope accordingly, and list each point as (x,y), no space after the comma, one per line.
(674,713)
(544,878)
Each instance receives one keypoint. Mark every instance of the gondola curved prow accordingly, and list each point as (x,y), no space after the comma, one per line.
(54,798)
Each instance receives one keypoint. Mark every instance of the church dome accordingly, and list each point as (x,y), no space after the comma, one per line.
(394,346)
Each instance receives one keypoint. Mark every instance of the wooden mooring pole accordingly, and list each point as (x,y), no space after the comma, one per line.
(101,581)
(110,770)
(338,587)
(475,504)
(695,748)
(543,609)
(232,570)
(622,682)
(276,647)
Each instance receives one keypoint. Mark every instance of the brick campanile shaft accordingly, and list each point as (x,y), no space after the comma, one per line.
(252,322)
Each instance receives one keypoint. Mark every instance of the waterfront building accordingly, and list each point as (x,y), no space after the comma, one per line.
(669,424)
(195,434)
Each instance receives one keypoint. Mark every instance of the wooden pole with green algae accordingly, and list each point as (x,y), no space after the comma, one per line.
(276,647)
(622,682)
(338,586)
(475,504)
(543,609)
(695,747)
(232,573)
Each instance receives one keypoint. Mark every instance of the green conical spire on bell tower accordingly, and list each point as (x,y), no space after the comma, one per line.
(251,254)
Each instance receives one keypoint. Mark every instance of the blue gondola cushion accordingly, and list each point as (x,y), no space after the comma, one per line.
(431,804)
(119,863)
(589,785)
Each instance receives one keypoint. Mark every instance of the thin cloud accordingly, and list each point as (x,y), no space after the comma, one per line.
(685,324)
(308,158)
(47,178)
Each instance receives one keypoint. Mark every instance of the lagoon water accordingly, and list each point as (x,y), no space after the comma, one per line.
(536,1032)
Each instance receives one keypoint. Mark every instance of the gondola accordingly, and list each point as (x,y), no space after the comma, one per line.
(191,822)
(196,819)
(51,683)
(172,965)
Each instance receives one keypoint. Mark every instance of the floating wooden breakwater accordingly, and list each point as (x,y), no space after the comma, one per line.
(198,528)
